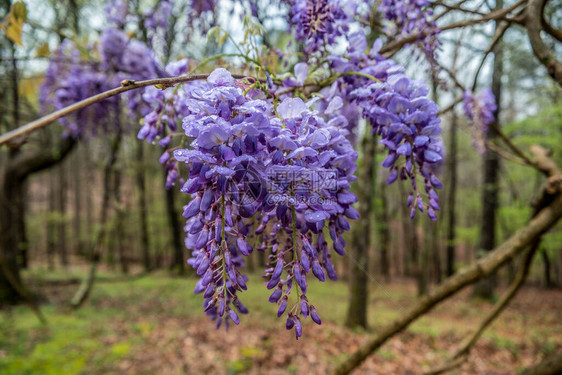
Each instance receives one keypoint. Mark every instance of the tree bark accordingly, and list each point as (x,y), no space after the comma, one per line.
(12,218)
(546,264)
(51,240)
(383,228)
(173,221)
(485,288)
(61,224)
(452,196)
(361,240)
(143,212)
(120,223)
(78,204)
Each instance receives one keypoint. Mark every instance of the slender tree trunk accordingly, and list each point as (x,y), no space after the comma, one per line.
(120,223)
(175,229)
(406,237)
(452,196)
(78,204)
(485,288)
(436,253)
(61,225)
(143,212)
(51,240)
(90,177)
(424,254)
(361,239)
(383,227)
(546,264)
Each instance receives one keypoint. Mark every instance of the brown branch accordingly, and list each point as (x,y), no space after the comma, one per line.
(556,33)
(462,352)
(500,31)
(450,106)
(548,214)
(543,161)
(533,23)
(516,150)
(126,85)
(499,14)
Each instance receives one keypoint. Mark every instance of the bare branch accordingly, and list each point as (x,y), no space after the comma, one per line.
(392,47)
(533,23)
(126,85)
(500,31)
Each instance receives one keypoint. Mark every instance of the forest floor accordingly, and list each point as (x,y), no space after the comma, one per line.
(155,325)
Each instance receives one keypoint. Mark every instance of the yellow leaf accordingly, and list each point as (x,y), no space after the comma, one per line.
(43,50)
(13,32)
(19,10)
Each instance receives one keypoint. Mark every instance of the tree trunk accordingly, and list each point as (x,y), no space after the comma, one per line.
(383,227)
(176,232)
(51,240)
(546,264)
(10,216)
(143,212)
(78,204)
(436,253)
(91,177)
(424,253)
(61,224)
(120,222)
(358,282)
(485,289)
(452,196)
(19,166)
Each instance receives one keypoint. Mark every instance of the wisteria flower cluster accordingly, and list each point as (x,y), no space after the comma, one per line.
(411,17)
(269,164)
(319,23)
(72,76)
(481,111)
(287,171)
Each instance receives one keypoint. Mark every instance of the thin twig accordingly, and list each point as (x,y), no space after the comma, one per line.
(126,85)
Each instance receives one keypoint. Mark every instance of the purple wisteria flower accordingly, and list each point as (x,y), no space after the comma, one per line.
(318,22)
(291,168)
(410,17)
(70,78)
(481,111)
(401,115)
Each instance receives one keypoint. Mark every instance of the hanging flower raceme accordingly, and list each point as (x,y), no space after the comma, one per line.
(406,121)
(410,17)
(72,76)
(309,177)
(319,23)
(401,115)
(225,183)
(481,111)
